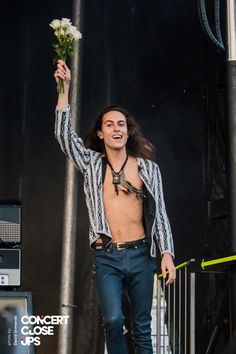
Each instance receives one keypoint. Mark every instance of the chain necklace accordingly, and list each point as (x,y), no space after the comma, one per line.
(119,178)
(116,176)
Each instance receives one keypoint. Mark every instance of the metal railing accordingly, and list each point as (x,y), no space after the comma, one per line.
(173,313)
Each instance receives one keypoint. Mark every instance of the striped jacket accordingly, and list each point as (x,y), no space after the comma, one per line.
(91,164)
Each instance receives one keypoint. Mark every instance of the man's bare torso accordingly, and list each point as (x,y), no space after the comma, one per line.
(124,212)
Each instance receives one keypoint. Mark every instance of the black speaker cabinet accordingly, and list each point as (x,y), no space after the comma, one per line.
(10,224)
(10,267)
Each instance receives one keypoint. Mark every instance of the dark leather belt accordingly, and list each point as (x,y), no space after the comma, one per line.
(119,246)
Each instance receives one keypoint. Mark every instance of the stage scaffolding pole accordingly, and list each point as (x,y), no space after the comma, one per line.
(65,338)
(231,140)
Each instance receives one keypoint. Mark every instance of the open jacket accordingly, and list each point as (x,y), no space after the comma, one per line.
(92,165)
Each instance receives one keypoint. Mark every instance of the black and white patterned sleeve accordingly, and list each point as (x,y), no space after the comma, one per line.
(71,144)
(165,239)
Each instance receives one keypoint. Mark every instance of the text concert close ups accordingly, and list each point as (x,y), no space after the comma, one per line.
(118,177)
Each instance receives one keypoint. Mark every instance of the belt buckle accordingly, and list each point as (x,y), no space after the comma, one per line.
(120,246)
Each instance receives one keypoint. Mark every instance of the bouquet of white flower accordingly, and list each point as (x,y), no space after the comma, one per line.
(66,34)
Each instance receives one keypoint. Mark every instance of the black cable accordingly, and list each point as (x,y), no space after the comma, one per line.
(217,22)
(206,27)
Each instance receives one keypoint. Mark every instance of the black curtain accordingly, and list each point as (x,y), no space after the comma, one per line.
(153,59)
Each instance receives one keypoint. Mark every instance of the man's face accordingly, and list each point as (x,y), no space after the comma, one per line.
(114,130)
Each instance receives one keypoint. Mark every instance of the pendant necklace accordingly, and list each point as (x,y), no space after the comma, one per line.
(116,175)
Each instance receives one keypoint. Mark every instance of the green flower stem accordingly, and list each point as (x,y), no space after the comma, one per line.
(60,86)
(60,82)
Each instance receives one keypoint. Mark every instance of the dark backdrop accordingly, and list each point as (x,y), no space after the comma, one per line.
(150,57)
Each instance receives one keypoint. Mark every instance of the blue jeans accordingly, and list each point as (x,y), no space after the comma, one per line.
(131,271)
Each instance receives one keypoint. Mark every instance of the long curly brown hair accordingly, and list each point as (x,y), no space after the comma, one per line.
(136,146)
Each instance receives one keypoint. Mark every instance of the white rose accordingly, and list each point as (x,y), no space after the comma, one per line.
(55,24)
(65,22)
(69,30)
(77,35)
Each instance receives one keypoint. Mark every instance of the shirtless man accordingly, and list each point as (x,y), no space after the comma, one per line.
(128,220)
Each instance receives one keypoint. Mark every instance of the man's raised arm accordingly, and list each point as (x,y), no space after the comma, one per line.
(63,72)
